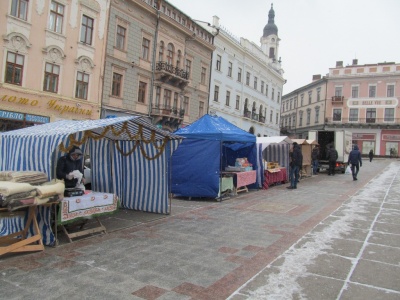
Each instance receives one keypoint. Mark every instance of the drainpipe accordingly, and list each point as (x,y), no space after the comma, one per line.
(326,96)
(153,65)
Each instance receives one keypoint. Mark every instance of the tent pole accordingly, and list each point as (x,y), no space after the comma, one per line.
(169,163)
(220,171)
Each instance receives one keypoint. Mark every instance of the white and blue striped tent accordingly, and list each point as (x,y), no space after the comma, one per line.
(274,148)
(129,156)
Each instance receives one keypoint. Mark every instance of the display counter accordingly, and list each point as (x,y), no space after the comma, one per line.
(273,177)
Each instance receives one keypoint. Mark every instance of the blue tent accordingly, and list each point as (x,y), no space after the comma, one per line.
(129,157)
(212,143)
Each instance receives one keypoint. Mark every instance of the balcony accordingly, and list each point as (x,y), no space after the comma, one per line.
(364,122)
(169,74)
(337,99)
(169,117)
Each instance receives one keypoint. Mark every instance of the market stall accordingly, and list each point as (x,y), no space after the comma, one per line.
(275,150)
(306,148)
(130,158)
(212,144)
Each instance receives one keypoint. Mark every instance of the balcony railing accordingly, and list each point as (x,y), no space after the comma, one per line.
(167,110)
(337,99)
(254,116)
(169,68)
(376,121)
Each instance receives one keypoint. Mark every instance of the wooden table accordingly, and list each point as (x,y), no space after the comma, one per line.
(242,180)
(21,241)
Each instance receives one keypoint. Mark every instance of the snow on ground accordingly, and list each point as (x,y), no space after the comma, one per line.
(284,284)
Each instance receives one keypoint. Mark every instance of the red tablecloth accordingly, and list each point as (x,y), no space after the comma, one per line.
(273,178)
(245,178)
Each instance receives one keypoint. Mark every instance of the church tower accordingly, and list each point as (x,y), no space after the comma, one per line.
(270,40)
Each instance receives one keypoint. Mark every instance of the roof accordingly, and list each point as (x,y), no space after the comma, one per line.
(215,128)
(122,128)
(266,141)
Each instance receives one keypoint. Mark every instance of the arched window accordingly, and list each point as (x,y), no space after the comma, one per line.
(161,52)
(271,52)
(246,102)
(170,54)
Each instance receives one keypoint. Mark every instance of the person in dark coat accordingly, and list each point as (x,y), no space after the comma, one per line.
(68,163)
(315,159)
(371,155)
(355,161)
(295,165)
(332,158)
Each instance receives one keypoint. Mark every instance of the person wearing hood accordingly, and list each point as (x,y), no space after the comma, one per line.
(332,156)
(68,163)
(355,161)
(295,166)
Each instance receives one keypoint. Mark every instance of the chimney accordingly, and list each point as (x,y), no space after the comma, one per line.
(316,77)
(339,64)
(355,62)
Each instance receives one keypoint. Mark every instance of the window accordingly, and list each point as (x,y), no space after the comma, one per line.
(270,116)
(337,114)
(203,75)
(354,92)
(142,92)
(170,54)
(371,115)
(201,108)
(247,78)
(300,118)
(145,49)
(273,95)
(56,16)
(338,91)
(216,93)
(239,78)
(178,60)
(237,102)
(255,82)
(301,100)
(390,90)
(279,98)
(291,103)
(389,114)
(228,98)
(116,85)
(309,97)
(82,85)
(316,114)
(14,68)
(266,90)
(353,115)
(230,69)
(308,116)
(19,9)
(318,95)
(186,104)
(218,66)
(175,105)
(167,98)
(87,30)
(161,52)
(372,91)
(51,76)
(158,97)
(121,34)
(277,118)
(262,87)
(188,67)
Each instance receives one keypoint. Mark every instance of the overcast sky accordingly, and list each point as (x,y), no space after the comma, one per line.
(314,33)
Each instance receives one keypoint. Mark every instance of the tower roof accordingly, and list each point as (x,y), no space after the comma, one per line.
(271,28)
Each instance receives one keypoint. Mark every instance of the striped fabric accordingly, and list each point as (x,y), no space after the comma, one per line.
(279,153)
(141,184)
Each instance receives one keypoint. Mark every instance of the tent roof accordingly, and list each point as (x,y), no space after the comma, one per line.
(300,141)
(266,141)
(215,128)
(66,127)
(312,142)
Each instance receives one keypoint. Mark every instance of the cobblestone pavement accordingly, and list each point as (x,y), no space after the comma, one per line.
(332,238)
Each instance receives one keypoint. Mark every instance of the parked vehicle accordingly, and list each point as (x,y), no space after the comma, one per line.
(340,139)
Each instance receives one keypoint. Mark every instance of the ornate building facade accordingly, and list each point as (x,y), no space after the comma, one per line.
(157,64)
(362,99)
(51,60)
(247,80)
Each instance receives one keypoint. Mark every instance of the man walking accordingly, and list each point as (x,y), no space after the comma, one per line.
(295,164)
(355,161)
(332,157)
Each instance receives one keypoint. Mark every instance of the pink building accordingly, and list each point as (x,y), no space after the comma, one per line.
(362,99)
(51,60)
